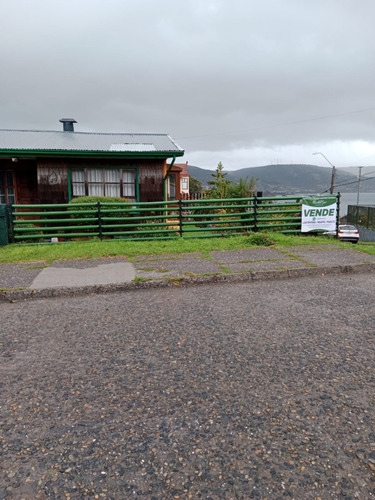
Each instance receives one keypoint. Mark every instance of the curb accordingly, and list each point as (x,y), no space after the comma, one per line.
(15,295)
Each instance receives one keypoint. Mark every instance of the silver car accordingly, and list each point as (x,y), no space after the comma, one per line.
(348,233)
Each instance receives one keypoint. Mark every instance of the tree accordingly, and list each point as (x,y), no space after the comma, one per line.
(219,185)
(245,188)
(195,186)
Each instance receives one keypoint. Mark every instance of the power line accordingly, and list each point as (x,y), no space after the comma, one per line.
(350,182)
(355,182)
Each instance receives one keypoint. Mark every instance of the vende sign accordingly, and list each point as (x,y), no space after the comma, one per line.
(319,213)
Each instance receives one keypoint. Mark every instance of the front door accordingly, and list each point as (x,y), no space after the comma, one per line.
(7,187)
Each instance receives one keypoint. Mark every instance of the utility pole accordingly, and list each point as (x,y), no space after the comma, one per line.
(359,181)
(333,171)
(332,179)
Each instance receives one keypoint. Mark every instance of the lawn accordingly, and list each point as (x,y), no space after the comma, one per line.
(50,252)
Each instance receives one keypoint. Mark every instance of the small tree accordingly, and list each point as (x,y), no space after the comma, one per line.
(219,185)
(245,188)
(195,186)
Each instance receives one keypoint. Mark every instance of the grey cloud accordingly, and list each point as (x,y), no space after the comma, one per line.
(217,75)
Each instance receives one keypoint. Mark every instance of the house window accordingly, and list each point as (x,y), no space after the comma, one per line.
(7,187)
(171,187)
(104,182)
(184,184)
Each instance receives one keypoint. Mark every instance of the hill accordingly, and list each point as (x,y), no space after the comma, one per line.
(201,174)
(370,171)
(291,179)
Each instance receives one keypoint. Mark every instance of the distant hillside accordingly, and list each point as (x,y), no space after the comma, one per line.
(291,179)
(370,171)
(201,174)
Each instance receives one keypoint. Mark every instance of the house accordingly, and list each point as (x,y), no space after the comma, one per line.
(177,181)
(38,167)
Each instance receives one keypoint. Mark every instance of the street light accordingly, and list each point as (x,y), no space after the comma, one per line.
(333,171)
(359,181)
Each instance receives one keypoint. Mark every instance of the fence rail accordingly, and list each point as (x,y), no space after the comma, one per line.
(192,218)
(362,216)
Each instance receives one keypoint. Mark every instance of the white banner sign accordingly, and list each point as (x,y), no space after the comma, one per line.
(319,213)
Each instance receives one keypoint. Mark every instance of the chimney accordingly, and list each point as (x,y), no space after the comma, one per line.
(68,124)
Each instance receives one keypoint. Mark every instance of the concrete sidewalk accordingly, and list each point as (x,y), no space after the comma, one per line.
(76,277)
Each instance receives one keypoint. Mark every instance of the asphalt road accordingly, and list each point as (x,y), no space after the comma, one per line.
(229,391)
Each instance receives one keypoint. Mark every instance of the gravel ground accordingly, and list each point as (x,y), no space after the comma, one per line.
(260,390)
(19,275)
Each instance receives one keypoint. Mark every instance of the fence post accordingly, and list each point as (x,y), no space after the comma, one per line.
(180,216)
(255,208)
(11,217)
(338,214)
(4,233)
(100,221)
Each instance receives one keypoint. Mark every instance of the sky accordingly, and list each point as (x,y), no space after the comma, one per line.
(242,82)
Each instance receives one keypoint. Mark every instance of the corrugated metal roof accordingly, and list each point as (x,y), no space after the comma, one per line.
(38,140)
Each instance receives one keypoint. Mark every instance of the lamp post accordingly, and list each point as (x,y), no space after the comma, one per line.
(359,181)
(333,171)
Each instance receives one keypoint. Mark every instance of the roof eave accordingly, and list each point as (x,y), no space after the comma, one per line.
(32,153)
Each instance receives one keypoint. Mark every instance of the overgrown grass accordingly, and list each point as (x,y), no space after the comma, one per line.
(50,252)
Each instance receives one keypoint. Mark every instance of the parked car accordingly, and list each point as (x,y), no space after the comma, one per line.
(348,233)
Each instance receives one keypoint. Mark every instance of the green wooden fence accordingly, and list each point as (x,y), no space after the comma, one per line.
(162,220)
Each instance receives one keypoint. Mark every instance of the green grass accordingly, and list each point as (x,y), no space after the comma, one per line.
(47,253)
(11,289)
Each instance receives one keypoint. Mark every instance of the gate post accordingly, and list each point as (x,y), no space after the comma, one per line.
(180,216)
(100,220)
(255,213)
(4,223)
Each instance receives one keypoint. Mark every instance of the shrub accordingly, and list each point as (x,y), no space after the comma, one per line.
(28,225)
(101,199)
(259,239)
(155,232)
(91,218)
(97,199)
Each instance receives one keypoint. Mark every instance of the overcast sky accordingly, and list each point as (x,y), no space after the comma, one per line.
(244,82)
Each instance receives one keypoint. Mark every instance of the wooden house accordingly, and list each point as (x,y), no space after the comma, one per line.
(39,167)
(177,181)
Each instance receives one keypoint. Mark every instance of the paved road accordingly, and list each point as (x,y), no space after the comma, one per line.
(227,391)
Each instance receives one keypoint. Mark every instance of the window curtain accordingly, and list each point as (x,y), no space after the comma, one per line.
(78,181)
(96,189)
(112,182)
(128,179)
(104,182)
(95,178)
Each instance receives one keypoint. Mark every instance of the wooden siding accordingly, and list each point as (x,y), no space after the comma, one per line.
(45,180)
(52,181)
(151,182)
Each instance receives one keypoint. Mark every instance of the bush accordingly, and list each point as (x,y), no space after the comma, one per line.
(259,239)
(28,225)
(155,232)
(91,218)
(98,199)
